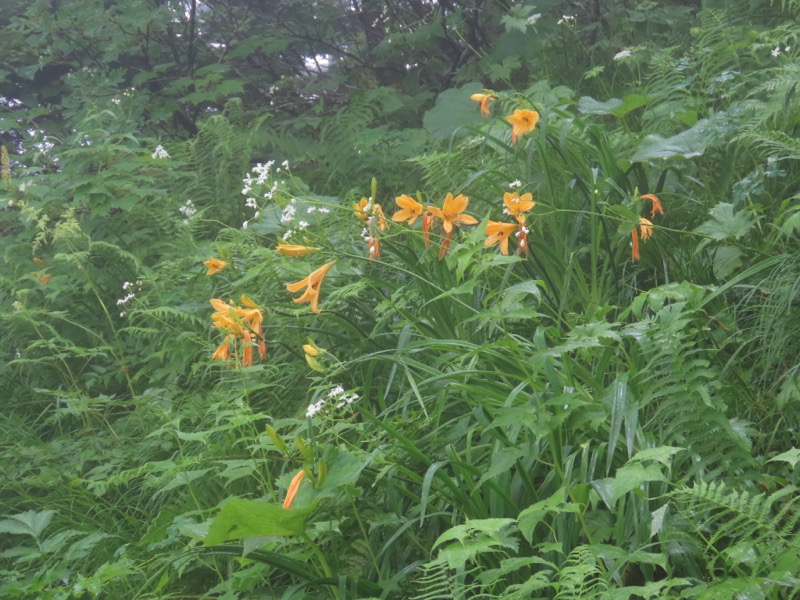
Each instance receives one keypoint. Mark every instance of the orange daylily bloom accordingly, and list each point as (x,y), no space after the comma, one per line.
(294,250)
(294,486)
(360,209)
(522,121)
(377,213)
(516,205)
(239,323)
(498,233)
(214,265)
(452,212)
(410,210)
(312,283)
(655,207)
(483,100)
(645,229)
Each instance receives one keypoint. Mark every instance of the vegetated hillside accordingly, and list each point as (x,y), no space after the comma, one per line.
(399,300)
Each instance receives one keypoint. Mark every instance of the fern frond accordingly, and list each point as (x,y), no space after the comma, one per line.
(726,518)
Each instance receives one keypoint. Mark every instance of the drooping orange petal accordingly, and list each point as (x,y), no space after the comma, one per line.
(634,245)
(645,228)
(312,283)
(427,225)
(655,205)
(483,100)
(294,486)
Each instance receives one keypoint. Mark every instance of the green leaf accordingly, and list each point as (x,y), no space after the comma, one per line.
(556,504)
(662,454)
(589,106)
(724,224)
(453,112)
(790,456)
(240,519)
(630,103)
(687,144)
(30,523)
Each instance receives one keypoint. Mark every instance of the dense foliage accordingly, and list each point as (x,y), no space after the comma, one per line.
(399,299)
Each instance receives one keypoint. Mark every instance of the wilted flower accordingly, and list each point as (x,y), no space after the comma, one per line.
(294,250)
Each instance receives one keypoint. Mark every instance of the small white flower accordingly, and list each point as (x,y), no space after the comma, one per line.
(786,48)
(159,152)
(515,184)
(533,19)
(311,210)
(623,54)
(244,225)
(115,101)
(285,164)
(566,20)
(289,233)
(314,408)
(24,185)
(776,51)
(302,224)
(337,391)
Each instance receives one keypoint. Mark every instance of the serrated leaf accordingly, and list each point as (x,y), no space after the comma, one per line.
(724,224)
(240,519)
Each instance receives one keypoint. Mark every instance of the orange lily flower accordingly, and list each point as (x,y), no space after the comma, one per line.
(516,205)
(294,486)
(38,261)
(294,250)
(374,245)
(239,323)
(522,122)
(410,210)
(360,209)
(655,207)
(312,283)
(498,233)
(452,212)
(214,265)
(483,100)
(645,229)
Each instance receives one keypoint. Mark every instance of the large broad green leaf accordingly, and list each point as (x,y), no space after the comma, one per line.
(453,111)
(589,106)
(687,144)
(30,523)
(240,519)
(724,224)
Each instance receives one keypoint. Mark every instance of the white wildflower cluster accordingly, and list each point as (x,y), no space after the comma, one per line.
(254,184)
(336,395)
(287,216)
(566,20)
(116,100)
(24,186)
(533,19)
(516,184)
(623,54)
(127,287)
(776,51)
(188,211)
(159,152)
